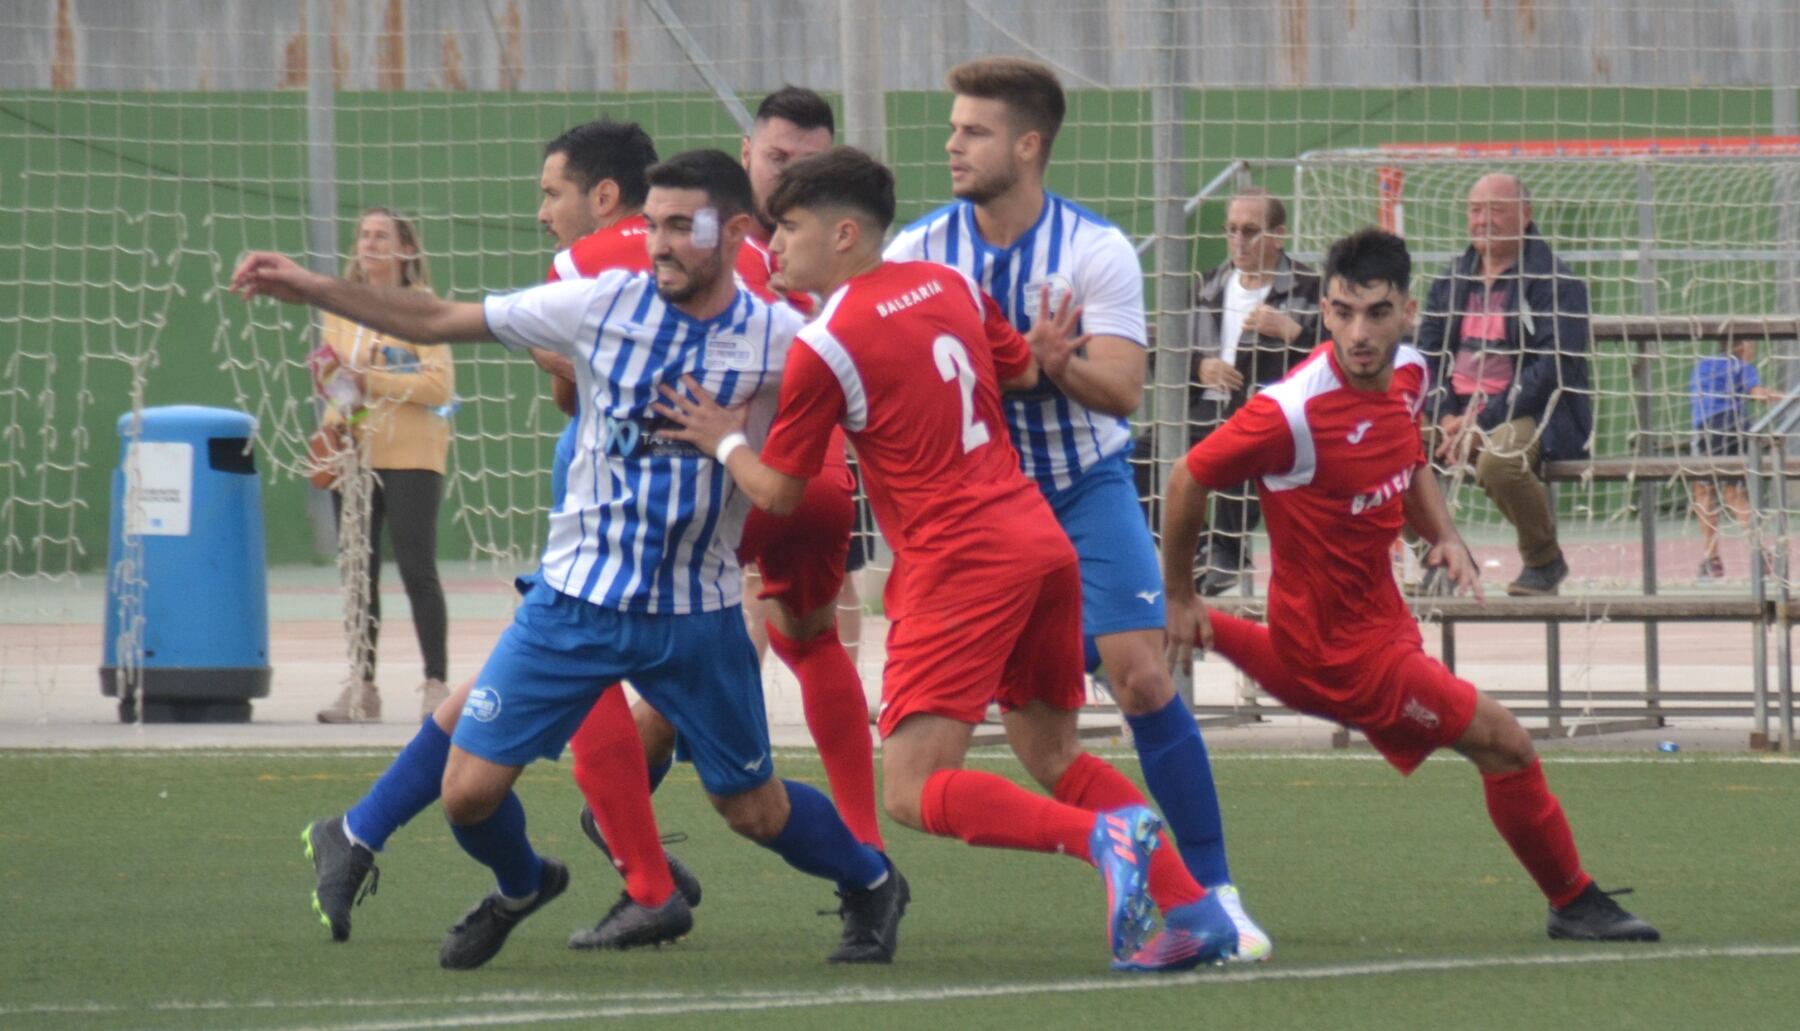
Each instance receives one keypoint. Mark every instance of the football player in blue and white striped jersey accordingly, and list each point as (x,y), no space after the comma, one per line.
(1021,242)
(639,579)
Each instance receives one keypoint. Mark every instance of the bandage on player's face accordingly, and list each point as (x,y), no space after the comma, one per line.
(686,262)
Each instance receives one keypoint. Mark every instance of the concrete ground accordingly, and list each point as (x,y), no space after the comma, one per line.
(50,648)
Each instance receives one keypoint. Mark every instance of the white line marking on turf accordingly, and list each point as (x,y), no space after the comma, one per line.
(617,1005)
(997,753)
(986,753)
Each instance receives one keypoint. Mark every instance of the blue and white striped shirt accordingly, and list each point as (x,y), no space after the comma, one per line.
(647,524)
(1071,250)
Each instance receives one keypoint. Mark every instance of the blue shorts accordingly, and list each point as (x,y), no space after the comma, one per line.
(1121,580)
(699,670)
(559,466)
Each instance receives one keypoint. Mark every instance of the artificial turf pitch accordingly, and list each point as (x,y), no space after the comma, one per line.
(168,890)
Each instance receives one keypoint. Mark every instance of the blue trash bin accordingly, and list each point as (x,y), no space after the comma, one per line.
(205,600)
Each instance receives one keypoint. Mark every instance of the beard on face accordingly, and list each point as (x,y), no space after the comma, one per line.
(983,189)
(700,278)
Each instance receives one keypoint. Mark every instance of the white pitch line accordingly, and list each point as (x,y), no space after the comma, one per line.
(995,753)
(618,1005)
(1227,756)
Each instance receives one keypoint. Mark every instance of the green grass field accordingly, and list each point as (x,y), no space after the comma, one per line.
(168,890)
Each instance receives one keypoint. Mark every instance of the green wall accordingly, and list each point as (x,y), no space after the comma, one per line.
(121,213)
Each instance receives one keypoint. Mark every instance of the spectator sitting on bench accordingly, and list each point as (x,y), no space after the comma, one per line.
(1719,390)
(1255,317)
(1505,332)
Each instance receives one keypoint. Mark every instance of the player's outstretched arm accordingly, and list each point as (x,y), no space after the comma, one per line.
(1184,517)
(719,432)
(415,315)
(1430,518)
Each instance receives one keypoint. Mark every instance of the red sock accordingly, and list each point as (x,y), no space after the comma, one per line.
(1093,784)
(1246,645)
(614,778)
(1531,820)
(988,810)
(838,716)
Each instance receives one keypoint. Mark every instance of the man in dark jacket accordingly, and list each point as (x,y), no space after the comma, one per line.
(1256,316)
(1505,331)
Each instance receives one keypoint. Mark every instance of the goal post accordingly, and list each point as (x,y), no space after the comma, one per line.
(1679,233)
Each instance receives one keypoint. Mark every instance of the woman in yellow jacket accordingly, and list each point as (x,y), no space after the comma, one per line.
(403,437)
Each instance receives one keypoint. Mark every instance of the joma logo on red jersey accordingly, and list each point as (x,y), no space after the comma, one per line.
(1390,488)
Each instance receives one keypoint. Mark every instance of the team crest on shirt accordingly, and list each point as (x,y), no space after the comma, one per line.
(1061,289)
(483,705)
(729,353)
(1418,712)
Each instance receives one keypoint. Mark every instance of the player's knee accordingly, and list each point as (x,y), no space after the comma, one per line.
(903,805)
(1513,747)
(758,814)
(468,802)
(1143,688)
(450,709)
(1496,742)
(1047,761)
(1136,669)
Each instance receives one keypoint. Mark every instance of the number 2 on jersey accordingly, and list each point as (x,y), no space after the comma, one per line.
(953,363)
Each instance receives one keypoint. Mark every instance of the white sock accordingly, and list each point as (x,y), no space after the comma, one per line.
(354,840)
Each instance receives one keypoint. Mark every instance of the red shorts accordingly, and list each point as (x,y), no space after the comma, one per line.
(1013,647)
(1404,701)
(802,555)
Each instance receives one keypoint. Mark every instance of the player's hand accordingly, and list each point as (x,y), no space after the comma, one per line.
(1453,555)
(266,274)
(1264,320)
(1051,338)
(701,421)
(1220,374)
(1188,622)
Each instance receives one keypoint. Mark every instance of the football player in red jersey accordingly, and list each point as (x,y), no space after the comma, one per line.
(1339,466)
(909,358)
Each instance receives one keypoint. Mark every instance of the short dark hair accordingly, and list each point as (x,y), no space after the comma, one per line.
(717,173)
(1274,212)
(840,177)
(799,105)
(1370,256)
(1029,90)
(604,149)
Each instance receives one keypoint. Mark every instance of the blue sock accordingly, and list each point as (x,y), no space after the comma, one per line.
(815,841)
(1180,777)
(658,771)
(499,843)
(409,784)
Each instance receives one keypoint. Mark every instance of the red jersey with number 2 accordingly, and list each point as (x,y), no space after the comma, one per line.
(1332,465)
(908,360)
